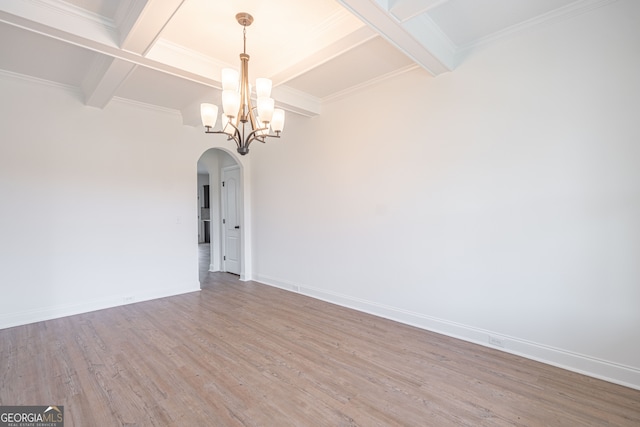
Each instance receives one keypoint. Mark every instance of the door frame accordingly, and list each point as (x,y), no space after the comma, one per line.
(210,160)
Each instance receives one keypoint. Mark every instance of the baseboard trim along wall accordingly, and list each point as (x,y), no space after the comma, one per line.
(601,369)
(49,313)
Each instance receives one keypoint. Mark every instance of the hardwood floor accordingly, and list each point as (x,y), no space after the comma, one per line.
(241,353)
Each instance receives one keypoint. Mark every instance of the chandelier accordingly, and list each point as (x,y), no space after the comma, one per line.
(241,121)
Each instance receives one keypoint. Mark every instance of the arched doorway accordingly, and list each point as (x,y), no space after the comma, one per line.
(220,214)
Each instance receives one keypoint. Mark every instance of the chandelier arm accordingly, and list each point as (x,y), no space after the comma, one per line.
(253,136)
(229,137)
(236,134)
(247,114)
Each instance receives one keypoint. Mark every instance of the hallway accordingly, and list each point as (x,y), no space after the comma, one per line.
(207,278)
(204,259)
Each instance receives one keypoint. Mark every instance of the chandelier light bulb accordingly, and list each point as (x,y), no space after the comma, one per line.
(209,114)
(265,108)
(277,122)
(263,87)
(230,79)
(230,103)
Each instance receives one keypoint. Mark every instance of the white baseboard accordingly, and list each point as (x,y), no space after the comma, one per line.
(48,313)
(593,367)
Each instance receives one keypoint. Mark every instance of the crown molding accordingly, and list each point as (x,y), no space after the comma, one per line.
(61,16)
(407,9)
(566,12)
(149,107)
(357,88)
(178,56)
(10,75)
(71,10)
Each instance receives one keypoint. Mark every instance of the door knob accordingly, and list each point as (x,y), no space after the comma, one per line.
(236,227)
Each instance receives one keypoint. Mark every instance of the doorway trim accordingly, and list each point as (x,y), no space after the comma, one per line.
(215,166)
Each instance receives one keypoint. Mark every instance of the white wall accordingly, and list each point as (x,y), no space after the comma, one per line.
(97,207)
(501,200)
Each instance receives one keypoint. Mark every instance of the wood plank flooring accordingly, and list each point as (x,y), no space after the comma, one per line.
(245,354)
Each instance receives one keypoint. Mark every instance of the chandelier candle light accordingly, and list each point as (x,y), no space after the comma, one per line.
(237,107)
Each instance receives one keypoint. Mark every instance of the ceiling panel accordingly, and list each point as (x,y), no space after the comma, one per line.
(467,21)
(283,31)
(32,54)
(158,88)
(362,64)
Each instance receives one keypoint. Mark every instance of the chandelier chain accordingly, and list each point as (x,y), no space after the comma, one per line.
(244,38)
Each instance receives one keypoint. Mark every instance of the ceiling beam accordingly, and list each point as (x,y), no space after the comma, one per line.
(140,23)
(436,58)
(104,78)
(403,10)
(345,44)
(297,102)
(102,36)
(100,45)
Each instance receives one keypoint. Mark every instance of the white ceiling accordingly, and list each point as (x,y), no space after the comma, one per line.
(169,53)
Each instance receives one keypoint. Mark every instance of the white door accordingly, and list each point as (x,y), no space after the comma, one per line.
(231,220)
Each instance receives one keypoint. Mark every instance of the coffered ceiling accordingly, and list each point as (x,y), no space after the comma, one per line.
(169,53)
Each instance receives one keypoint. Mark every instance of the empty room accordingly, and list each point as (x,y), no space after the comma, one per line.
(320,213)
